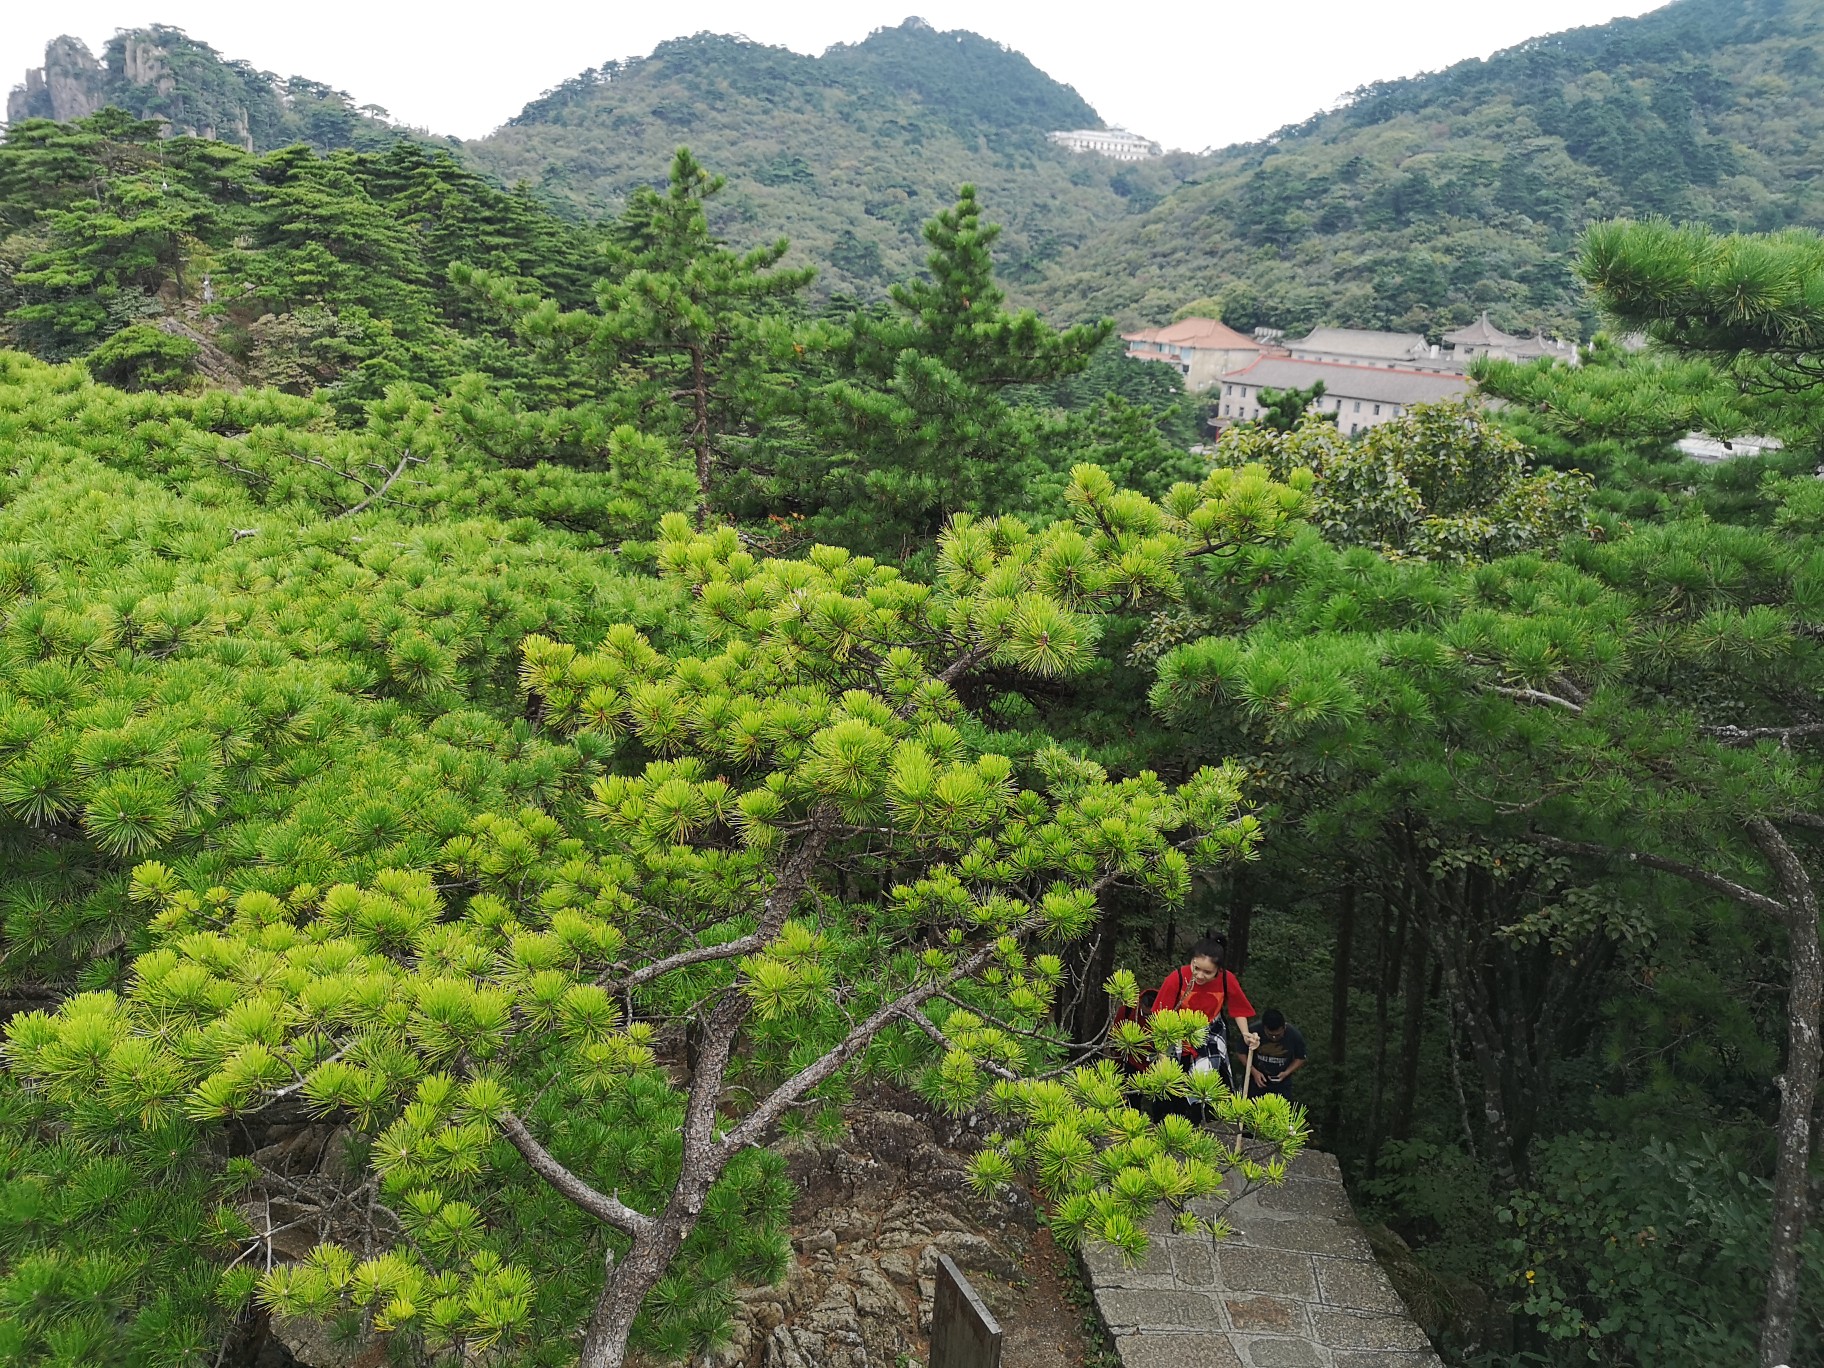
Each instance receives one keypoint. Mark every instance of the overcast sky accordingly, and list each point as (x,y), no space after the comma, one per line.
(1192,76)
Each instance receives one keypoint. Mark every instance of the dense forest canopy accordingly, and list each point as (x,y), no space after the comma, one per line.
(506,717)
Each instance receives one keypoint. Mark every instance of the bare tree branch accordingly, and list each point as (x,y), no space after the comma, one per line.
(1716,883)
(1536,696)
(762,1119)
(374,494)
(607,1209)
(1747,736)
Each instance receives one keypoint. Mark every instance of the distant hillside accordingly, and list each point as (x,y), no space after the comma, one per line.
(1424,201)
(163,73)
(847,154)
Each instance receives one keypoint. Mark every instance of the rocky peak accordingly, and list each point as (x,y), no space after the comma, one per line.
(70,85)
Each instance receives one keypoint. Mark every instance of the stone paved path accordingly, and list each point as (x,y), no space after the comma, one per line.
(1294,1287)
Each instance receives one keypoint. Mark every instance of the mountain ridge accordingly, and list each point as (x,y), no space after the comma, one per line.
(1422,201)
(847,154)
(1416,204)
(161,72)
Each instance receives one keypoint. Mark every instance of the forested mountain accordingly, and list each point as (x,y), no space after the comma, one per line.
(1417,204)
(1421,202)
(846,154)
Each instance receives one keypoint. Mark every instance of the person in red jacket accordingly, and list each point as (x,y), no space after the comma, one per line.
(1203,985)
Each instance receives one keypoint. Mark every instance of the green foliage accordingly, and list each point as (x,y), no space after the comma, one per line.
(141,356)
(1284,408)
(1440,482)
(805,721)
(1639,1257)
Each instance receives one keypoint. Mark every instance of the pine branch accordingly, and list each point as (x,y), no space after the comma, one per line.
(964,663)
(793,876)
(398,470)
(1746,736)
(943,1042)
(685,959)
(610,1210)
(1716,883)
(753,1129)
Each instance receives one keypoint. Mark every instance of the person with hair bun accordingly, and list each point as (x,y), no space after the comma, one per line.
(1203,985)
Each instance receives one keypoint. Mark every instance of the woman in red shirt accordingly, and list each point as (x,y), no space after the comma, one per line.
(1203,985)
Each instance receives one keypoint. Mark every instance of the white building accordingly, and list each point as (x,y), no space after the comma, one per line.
(1483,338)
(1360,396)
(1117,143)
(1199,349)
(1710,450)
(1364,347)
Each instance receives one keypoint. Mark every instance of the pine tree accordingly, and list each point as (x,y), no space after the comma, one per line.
(693,337)
(498,1038)
(916,401)
(1751,302)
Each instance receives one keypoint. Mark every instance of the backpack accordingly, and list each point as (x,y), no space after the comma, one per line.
(1140,1012)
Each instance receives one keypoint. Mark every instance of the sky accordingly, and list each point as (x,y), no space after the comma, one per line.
(1197,75)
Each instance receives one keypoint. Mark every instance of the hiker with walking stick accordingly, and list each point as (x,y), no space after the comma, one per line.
(1203,985)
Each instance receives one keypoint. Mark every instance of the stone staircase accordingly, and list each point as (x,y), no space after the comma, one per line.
(1295,1286)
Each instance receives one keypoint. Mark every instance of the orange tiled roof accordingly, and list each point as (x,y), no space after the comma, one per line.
(1206,334)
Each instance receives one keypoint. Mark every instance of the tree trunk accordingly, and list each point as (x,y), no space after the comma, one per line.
(1798,1091)
(699,385)
(1410,1031)
(1383,970)
(1339,1014)
(1241,919)
(623,1293)
(1466,1000)
(1086,1015)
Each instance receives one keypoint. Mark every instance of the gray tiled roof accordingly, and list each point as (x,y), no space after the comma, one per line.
(1375,383)
(1481,333)
(1361,342)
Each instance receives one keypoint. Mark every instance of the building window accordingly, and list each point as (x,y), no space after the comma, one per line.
(1352,427)
(1358,409)
(1230,391)
(1377,410)
(1225,410)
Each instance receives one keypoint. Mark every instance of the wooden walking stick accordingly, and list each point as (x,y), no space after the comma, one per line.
(1247,1079)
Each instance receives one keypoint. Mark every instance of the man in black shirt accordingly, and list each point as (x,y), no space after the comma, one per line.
(1281,1054)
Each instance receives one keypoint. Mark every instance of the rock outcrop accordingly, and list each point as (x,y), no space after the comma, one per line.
(70,85)
(873,1214)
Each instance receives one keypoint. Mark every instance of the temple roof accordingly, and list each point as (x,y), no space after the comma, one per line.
(1481,333)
